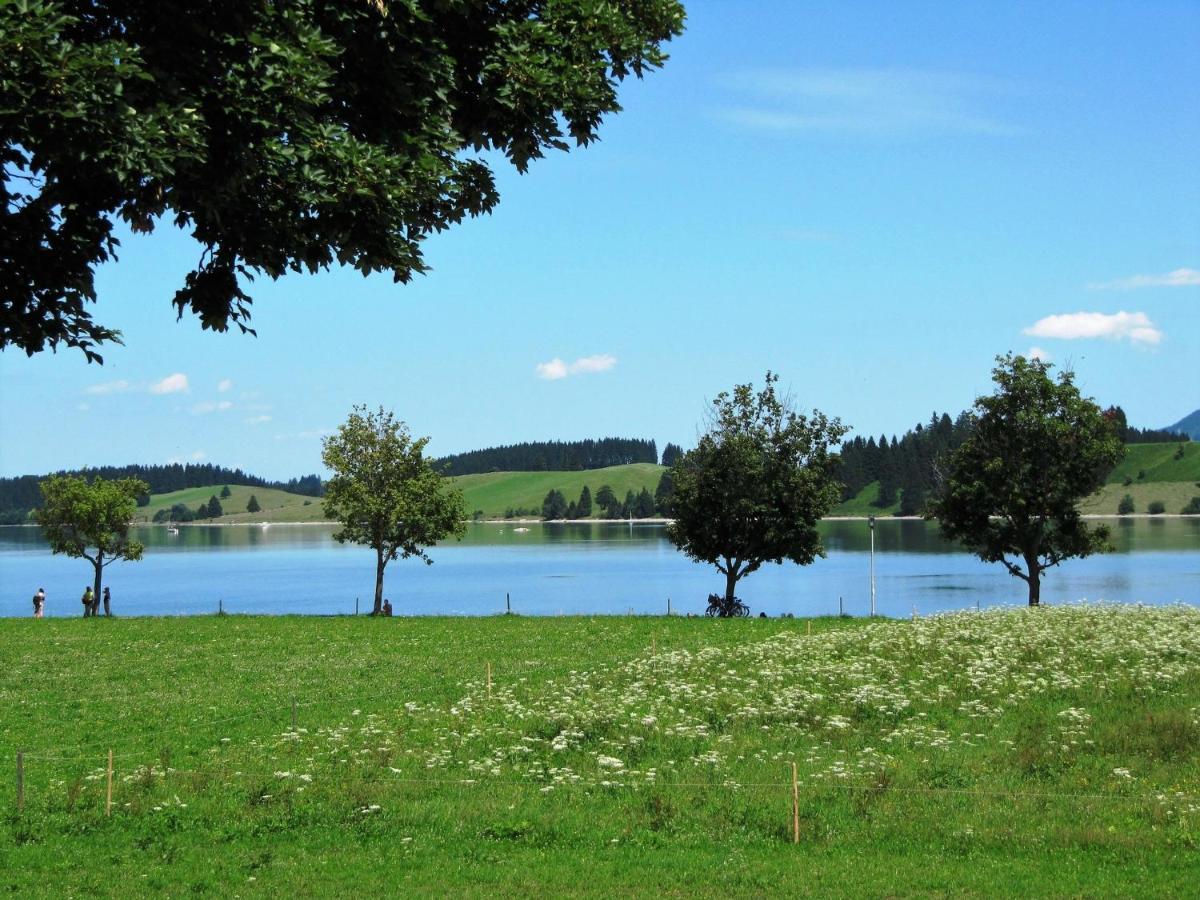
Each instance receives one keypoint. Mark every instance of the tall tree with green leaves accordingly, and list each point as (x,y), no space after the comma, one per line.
(214,508)
(285,136)
(1010,492)
(756,485)
(252,505)
(90,520)
(385,493)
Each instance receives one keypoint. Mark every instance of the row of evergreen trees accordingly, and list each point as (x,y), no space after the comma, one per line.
(551,456)
(1131,435)
(20,495)
(642,505)
(904,468)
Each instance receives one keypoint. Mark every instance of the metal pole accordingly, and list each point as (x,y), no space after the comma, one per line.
(871,522)
(507,603)
(356,606)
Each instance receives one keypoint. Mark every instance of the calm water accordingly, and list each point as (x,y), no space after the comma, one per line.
(581,568)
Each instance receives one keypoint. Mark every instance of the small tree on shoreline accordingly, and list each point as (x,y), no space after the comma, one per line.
(77,516)
(1010,492)
(755,486)
(386,493)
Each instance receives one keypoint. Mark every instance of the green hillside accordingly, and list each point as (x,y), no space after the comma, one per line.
(277,506)
(1158,462)
(1174,495)
(863,504)
(496,492)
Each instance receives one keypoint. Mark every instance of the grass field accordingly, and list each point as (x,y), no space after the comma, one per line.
(1158,463)
(864,504)
(1047,753)
(1174,495)
(277,506)
(495,492)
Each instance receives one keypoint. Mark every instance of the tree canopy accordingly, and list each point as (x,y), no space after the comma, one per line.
(90,520)
(755,486)
(385,493)
(1036,448)
(284,136)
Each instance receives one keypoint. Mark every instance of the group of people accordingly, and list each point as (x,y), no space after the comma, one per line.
(91,603)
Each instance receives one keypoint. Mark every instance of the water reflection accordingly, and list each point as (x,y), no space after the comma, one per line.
(583,567)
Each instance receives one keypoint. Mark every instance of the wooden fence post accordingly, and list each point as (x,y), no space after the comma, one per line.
(108,797)
(507,603)
(795,807)
(489,680)
(20,781)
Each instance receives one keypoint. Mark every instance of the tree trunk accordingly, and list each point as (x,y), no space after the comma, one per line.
(96,584)
(1034,581)
(380,562)
(731,578)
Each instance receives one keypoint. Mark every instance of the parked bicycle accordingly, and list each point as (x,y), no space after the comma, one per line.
(719,607)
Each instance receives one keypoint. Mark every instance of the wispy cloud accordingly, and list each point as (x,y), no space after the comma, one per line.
(1037,353)
(108,387)
(210,406)
(1136,327)
(585,365)
(867,101)
(195,456)
(172,384)
(224,384)
(1176,278)
(257,420)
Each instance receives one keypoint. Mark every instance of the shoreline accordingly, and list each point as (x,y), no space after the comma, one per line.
(651,521)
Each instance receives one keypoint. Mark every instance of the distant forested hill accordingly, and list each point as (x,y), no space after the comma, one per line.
(1189,425)
(20,495)
(551,456)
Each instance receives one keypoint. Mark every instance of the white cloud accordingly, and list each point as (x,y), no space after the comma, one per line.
(172,384)
(553,370)
(224,384)
(1175,278)
(867,101)
(108,387)
(210,406)
(1137,327)
(585,365)
(1038,353)
(257,420)
(82,407)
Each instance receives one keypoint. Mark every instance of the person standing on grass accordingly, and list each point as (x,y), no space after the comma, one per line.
(39,603)
(87,600)
(107,601)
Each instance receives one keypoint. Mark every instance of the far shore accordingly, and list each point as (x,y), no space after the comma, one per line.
(655,521)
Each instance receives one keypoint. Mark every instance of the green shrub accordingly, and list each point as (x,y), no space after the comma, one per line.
(1192,508)
(1156,508)
(1125,507)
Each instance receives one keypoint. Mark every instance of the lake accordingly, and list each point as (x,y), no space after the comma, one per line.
(582,568)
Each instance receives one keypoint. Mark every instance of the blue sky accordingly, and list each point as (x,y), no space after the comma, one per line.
(872,200)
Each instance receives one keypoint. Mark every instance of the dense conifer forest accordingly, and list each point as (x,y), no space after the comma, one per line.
(551,456)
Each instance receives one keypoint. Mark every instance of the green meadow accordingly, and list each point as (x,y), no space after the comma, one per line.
(276,505)
(1047,752)
(496,492)
(1163,478)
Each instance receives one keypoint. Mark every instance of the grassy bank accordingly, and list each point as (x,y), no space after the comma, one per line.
(1047,753)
